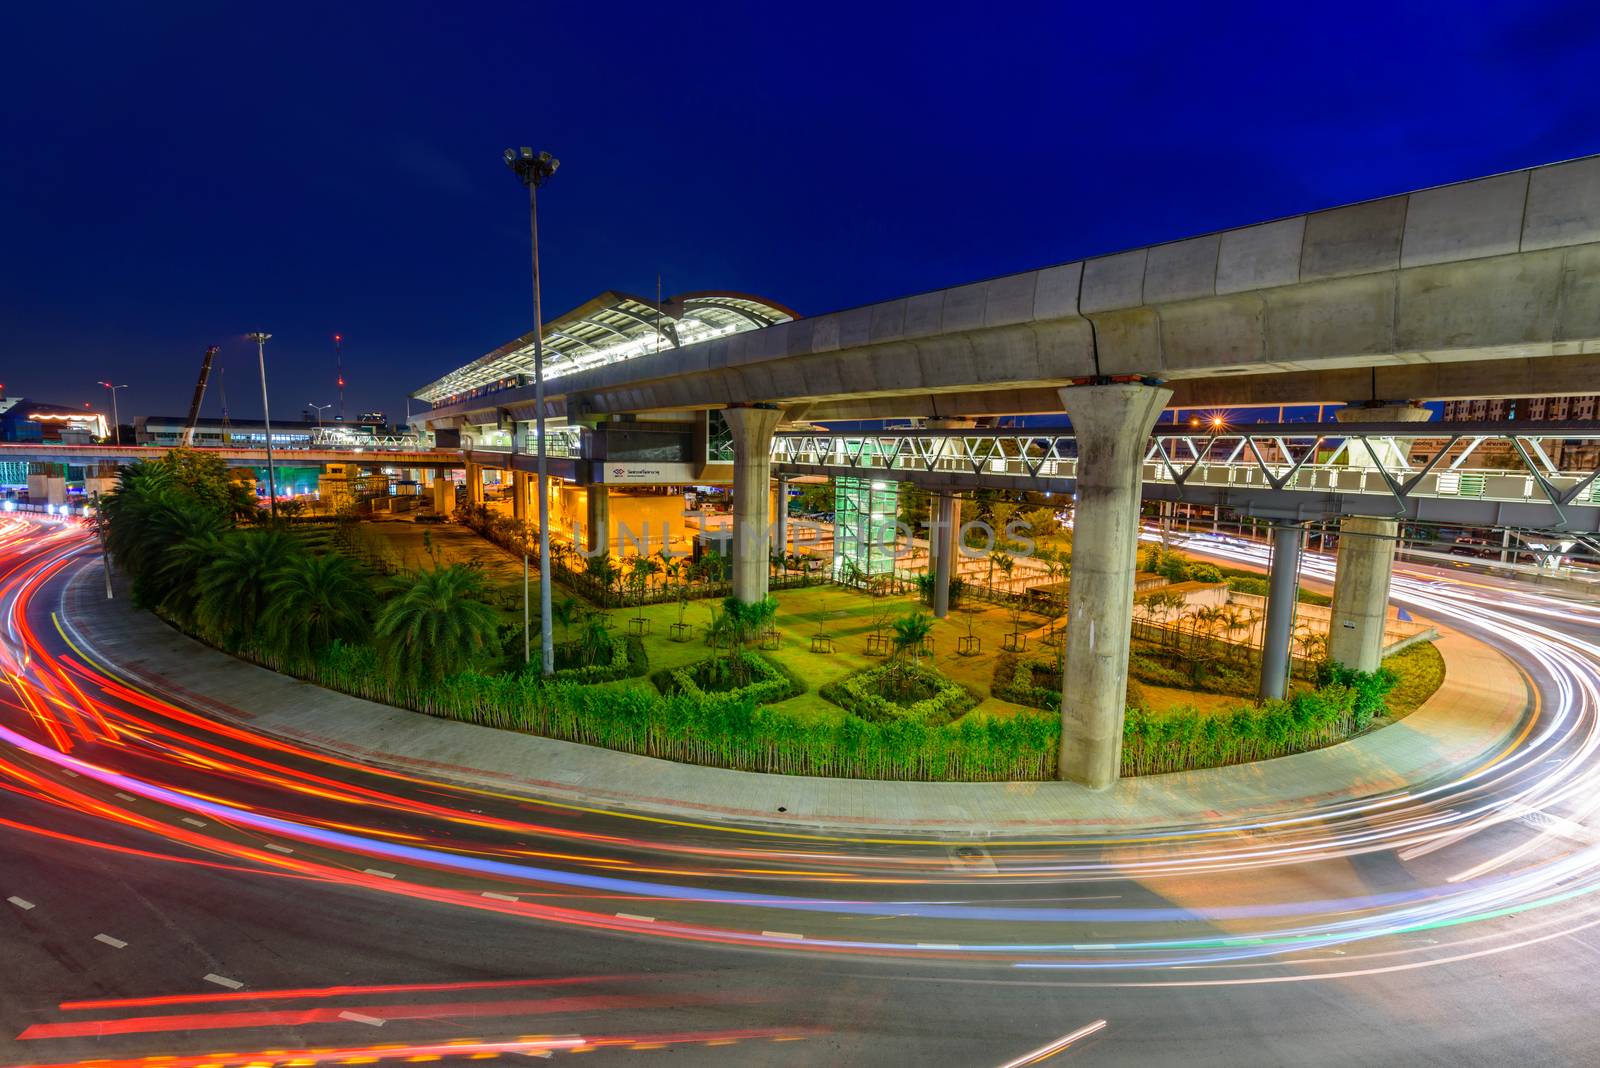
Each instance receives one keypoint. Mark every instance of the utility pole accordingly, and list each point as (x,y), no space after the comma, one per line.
(116,420)
(266,421)
(533,171)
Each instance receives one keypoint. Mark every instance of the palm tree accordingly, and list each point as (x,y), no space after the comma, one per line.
(437,622)
(910,633)
(564,612)
(644,568)
(193,540)
(739,624)
(314,601)
(233,587)
(1235,621)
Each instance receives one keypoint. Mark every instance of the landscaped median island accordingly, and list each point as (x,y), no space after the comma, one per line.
(817,680)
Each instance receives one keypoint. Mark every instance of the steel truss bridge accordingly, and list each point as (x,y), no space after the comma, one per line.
(1408,471)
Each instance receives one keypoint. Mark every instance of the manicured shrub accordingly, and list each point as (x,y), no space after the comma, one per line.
(863,693)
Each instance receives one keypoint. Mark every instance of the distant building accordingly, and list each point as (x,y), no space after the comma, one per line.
(1518,409)
(168,430)
(377,419)
(27,420)
(1572,455)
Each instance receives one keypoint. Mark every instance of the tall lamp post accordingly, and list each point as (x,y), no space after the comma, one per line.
(266,421)
(534,170)
(320,408)
(116,420)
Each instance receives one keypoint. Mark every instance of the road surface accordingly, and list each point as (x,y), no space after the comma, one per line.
(174,887)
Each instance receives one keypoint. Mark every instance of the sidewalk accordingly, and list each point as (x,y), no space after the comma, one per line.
(1471,719)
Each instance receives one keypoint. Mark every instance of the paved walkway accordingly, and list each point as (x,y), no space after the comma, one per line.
(1474,716)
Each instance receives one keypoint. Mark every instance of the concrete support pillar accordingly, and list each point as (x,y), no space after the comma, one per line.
(752,468)
(944,549)
(1112,425)
(1363,566)
(1365,558)
(519,495)
(781,525)
(597,538)
(474,484)
(1283,594)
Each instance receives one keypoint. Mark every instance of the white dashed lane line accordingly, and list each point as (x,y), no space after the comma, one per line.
(379,872)
(276,848)
(784,935)
(21,903)
(191,821)
(635,918)
(126,797)
(492,896)
(114,943)
(223,980)
(356,1017)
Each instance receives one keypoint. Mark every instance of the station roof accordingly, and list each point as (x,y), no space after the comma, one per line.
(610,328)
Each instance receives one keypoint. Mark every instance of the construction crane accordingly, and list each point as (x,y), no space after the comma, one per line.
(199,395)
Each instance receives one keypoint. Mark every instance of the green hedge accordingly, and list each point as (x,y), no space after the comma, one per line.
(1181,739)
(769,682)
(627,660)
(718,730)
(1014,681)
(735,731)
(861,693)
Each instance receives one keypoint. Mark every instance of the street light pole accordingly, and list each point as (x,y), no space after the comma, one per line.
(116,420)
(533,170)
(320,408)
(266,421)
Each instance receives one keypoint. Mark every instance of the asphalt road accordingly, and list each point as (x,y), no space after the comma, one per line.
(177,888)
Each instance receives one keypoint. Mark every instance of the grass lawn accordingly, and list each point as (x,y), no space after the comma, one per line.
(846,616)
(1421,671)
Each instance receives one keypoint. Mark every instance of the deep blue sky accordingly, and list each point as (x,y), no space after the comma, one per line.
(177,174)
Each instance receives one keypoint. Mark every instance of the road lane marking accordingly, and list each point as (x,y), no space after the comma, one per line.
(126,797)
(69,771)
(276,848)
(635,917)
(114,943)
(191,821)
(1049,1050)
(380,873)
(356,1017)
(22,903)
(491,895)
(783,934)
(223,980)
(938,945)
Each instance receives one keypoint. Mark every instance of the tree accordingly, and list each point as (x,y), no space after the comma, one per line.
(436,622)
(193,540)
(738,625)
(314,601)
(639,575)
(564,612)
(1236,621)
(233,587)
(910,633)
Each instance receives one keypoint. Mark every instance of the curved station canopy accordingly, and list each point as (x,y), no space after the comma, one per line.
(608,329)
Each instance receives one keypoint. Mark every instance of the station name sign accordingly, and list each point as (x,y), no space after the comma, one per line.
(616,474)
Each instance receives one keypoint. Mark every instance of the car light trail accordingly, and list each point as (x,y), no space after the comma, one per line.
(74,715)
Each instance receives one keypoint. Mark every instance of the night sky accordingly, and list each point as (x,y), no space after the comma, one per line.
(176,174)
